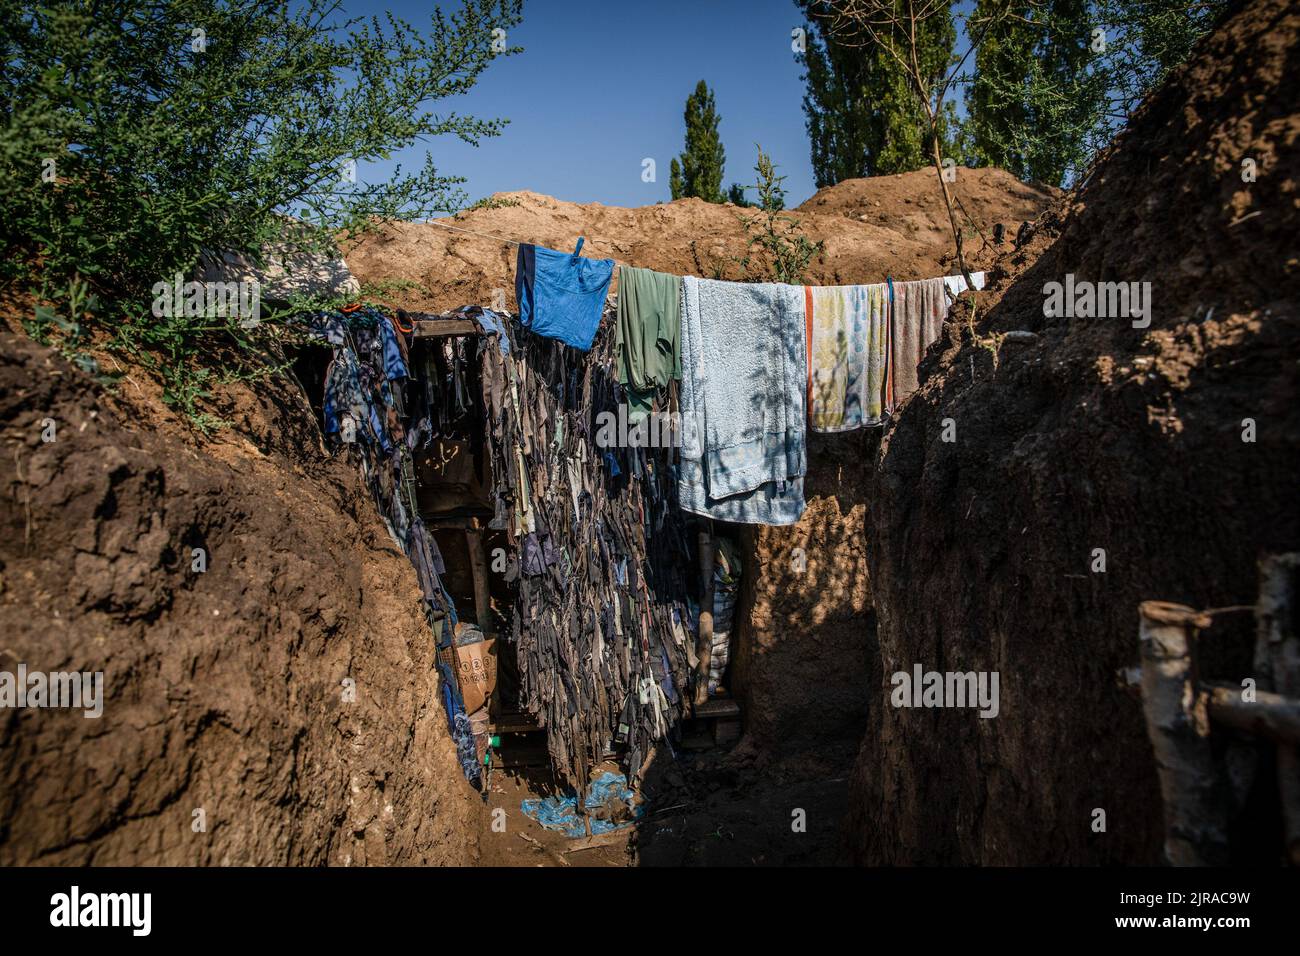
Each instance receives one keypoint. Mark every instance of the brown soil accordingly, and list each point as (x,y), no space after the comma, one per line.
(1098,435)
(711,808)
(222,689)
(871,228)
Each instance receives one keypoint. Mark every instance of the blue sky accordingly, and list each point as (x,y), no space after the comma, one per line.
(601,86)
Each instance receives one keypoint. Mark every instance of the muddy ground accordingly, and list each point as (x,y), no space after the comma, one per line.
(711,808)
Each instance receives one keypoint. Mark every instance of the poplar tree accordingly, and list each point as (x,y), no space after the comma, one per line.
(1035,93)
(861,114)
(1054,80)
(698,171)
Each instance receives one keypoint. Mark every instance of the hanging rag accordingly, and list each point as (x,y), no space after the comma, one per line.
(915,321)
(647,336)
(847,355)
(956,285)
(561,295)
(743,401)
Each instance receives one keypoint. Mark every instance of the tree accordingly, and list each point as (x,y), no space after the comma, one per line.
(1143,42)
(698,171)
(736,196)
(861,116)
(995,100)
(177,126)
(1055,79)
(783,251)
(1034,94)
(895,29)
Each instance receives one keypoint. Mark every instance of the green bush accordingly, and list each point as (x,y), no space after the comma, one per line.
(134,135)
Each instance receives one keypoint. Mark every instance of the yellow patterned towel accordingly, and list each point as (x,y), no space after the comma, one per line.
(846,355)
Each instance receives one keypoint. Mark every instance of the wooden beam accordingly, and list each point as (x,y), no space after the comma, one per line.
(443,328)
(1279,646)
(1194,804)
(478,567)
(1268,715)
(704,640)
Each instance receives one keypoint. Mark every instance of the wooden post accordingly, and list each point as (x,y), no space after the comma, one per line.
(1277,661)
(1195,816)
(704,640)
(479,569)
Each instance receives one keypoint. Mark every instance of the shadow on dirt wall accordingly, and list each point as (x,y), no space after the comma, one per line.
(806,648)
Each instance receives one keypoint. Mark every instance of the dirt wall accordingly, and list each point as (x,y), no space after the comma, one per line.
(225,736)
(1097,435)
(806,646)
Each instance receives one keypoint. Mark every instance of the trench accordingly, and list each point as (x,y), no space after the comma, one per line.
(757,776)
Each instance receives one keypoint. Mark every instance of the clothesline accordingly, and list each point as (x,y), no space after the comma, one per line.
(977,276)
(829,358)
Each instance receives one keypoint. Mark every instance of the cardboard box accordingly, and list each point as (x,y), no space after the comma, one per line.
(478,673)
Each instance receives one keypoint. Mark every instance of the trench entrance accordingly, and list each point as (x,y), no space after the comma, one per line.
(755,774)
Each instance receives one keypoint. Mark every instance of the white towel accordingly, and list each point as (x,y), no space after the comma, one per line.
(744,383)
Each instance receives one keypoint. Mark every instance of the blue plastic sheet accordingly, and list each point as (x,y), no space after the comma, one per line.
(561,813)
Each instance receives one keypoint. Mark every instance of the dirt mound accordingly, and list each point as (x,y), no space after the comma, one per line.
(871,228)
(225,736)
(1098,435)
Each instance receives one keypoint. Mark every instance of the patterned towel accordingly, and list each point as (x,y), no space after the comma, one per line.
(848,335)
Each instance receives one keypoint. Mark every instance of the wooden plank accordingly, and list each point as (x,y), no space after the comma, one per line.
(514,724)
(611,838)
(453,522)
(443,328)
(478,567)
(1268,715)
(718,707)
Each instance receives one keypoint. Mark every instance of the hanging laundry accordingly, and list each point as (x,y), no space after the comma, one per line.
(491,324)
(915,321)
(648,336)
(727,572)
(561,295)
(743,401)
(598,554)
(848,334)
